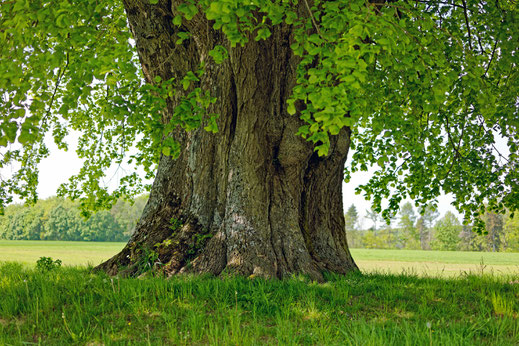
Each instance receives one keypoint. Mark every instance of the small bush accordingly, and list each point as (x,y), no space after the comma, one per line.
(45,264)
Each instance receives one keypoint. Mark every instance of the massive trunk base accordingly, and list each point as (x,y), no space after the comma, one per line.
(270,220)
(253,199)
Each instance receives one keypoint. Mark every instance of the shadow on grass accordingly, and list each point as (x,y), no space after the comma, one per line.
(73,305)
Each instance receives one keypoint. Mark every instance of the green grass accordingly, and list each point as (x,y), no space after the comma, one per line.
(461,257)
(423,263)
(74,306)
(436,263)
(69,252)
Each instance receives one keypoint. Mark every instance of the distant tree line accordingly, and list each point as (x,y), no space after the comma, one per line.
(423,229)
(60,219)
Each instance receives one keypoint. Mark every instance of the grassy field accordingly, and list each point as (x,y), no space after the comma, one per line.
(69,252)
(466,257)
(431,263)
(74,306)
(436,263)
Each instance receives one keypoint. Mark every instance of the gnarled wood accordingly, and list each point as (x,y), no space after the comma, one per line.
(253,199)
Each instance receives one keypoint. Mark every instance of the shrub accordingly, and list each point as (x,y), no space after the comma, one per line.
(45,264)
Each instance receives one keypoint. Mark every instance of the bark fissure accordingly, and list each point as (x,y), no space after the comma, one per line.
(234,109)
(272,243)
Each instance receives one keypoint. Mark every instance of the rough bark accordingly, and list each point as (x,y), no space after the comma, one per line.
(253,199)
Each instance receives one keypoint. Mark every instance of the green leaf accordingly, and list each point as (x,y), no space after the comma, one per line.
(189,10)
(182,36)
(212,126)
(291,109)
(334,129)
(177,20)
(219,54)
(263,34)
(166,151)
(10,130)
(25,137)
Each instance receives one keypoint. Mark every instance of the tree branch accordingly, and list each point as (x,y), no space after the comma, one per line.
(491,57)
(313,18)
(61,73)
(467,22)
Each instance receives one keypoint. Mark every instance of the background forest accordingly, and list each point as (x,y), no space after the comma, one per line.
(60,219)
(411,230)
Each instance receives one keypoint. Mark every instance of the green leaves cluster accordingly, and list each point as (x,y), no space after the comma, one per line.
(443,100)
(68,67)
(71,66)
(45,264)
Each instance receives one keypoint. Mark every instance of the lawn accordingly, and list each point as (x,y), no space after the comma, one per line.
(69,252)
(423,263)
(436,263)
(386,305)
(466,257)
(74,306)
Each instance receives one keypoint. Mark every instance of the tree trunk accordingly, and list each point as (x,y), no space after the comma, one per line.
(253,199)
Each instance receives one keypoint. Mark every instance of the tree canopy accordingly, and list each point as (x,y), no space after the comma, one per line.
(428,88)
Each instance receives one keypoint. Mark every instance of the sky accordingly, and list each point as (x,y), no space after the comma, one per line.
(60,165)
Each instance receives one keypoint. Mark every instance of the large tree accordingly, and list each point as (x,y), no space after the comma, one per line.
(245,112)
(351,218)
(425,224)
(447,233)
(407,223)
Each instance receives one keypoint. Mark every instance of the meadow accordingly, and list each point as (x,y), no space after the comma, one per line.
(436,263)
(421,263)
(73,305)
(69,252)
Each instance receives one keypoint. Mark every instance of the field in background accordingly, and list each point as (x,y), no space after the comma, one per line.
(432,263)
(69,252)
(436,263)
